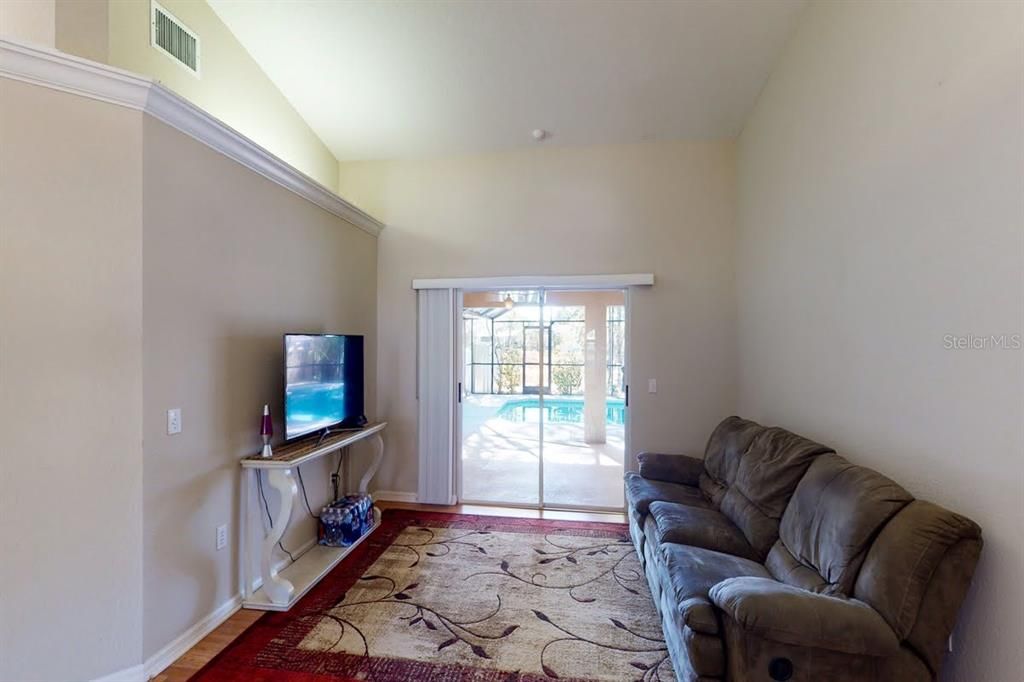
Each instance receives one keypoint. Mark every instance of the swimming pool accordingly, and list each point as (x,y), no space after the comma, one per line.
(557,410)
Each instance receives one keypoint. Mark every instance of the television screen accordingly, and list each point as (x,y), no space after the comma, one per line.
(323,383)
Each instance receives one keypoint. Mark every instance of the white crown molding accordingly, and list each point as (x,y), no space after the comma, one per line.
(532,281)
(67,73)
(52,69)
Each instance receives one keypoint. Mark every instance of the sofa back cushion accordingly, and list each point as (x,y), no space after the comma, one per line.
(917,572)
(830,523)
(725,448)
(765,479)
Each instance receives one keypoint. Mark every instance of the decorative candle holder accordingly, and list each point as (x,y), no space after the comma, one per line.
(266,430)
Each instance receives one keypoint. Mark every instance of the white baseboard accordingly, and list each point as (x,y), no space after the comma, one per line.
(394,496)
(136,673)
(162,659)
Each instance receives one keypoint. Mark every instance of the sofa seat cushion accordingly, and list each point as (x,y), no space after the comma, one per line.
(641,492)
(699,527)
(689,573)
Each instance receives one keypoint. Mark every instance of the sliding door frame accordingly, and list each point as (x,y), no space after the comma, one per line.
(459,368)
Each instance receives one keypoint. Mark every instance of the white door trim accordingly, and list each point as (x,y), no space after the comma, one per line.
(460,376)
(627,378)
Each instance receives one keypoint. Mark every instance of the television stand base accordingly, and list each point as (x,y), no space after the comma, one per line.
(276,588)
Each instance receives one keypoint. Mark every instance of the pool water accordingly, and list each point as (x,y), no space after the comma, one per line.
(557,410)
(311,406)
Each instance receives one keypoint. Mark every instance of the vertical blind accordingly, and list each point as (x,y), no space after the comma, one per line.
(435,353)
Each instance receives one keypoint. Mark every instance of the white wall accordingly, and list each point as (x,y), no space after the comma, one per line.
(70,385)
(881,208)
(665,208)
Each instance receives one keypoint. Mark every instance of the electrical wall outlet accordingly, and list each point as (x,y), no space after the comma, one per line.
(652,385)
(173,421)
(222,536)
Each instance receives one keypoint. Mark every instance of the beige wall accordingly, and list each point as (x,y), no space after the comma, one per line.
(30,20)
(94,349)
(70,385)
(231,87)
(81,28)
(880,208)
(232,262)
(77,27)
(665,208)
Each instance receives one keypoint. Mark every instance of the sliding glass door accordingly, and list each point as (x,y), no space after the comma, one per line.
(583,422)
(502,360)
(542,398)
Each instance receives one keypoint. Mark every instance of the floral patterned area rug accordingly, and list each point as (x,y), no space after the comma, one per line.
(452,597)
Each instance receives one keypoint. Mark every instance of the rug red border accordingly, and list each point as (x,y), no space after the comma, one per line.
(237,662)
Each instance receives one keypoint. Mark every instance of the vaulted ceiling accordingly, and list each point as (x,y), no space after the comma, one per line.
(411,79)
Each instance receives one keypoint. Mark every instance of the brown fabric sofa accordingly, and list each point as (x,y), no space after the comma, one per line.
(774,558)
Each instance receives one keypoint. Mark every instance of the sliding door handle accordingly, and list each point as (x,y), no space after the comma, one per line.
(460,392)
(627,395)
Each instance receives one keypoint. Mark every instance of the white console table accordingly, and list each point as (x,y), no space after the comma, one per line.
(278,590)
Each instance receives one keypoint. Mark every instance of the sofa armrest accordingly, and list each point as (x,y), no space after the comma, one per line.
(672,468)
(782,613)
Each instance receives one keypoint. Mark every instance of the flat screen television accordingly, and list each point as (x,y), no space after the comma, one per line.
(323,383)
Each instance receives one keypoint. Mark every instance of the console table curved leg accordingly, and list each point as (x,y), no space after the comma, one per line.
(277,588)
(378,455)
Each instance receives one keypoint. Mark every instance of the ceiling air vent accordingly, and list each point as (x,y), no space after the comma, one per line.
(174,39)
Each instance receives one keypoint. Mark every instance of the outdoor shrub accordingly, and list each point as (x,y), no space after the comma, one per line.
(568,380)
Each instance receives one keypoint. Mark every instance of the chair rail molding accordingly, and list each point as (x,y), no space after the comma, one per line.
(59,71)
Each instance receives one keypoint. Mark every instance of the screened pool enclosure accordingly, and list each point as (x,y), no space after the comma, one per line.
(503,354)
(543,397)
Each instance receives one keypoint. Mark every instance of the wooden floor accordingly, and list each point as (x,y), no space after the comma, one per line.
(211,645)
(202,653)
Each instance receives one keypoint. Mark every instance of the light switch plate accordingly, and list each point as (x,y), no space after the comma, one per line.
(173,421)
(652,385)
(222,536)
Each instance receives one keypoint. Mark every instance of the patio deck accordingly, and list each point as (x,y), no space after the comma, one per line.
(500,458)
